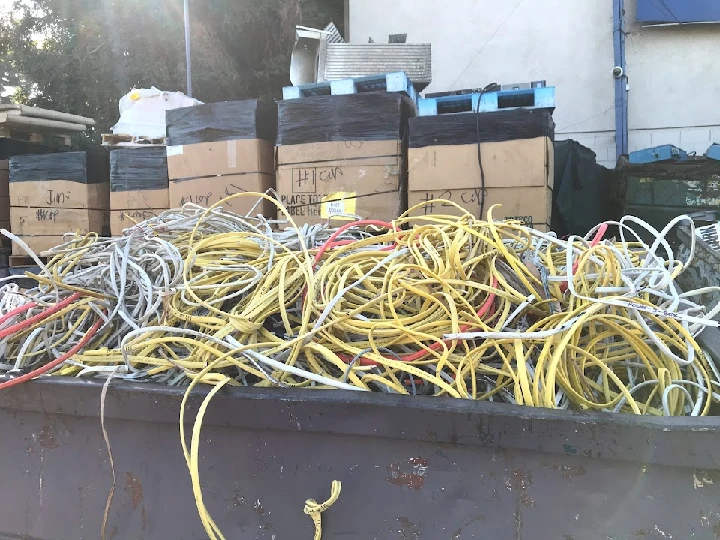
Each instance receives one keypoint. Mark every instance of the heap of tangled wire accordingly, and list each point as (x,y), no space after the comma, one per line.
(450,306)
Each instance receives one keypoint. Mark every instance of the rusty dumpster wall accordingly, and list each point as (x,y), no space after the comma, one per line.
(412,468)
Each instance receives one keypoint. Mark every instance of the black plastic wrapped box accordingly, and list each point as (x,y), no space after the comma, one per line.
(138,186)
(222,121)
(342,156)
(516,151)
(220,149)
(51,194)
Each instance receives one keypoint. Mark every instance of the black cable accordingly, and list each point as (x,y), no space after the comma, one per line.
(492,87)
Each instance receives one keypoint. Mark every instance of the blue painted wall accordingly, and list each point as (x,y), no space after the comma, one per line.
(678,11)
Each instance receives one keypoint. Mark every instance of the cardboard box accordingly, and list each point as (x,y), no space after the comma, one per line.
(531,205)
(60,194)
(124,219)
(519,175)
(220,158)
(51,221)
(208,191)
(316,181)
(38,244)
(338,151)
(140,199)
(516,163)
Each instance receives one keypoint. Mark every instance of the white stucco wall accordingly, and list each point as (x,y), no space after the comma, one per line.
(674,71)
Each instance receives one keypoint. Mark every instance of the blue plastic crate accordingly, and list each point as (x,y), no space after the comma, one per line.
(386,82)
(529,98)
(713,152)
(667,152)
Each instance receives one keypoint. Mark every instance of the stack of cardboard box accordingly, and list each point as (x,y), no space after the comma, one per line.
(222,149)
(51,194)
(138,186)
(341,156)
(513,149)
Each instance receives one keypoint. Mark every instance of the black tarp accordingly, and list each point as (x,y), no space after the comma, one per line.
(583,190)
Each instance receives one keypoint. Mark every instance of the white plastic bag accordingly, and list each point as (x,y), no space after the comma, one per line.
(142,111)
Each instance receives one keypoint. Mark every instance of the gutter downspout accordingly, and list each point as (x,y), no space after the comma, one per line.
(621,79)
(188,63)
(346,26)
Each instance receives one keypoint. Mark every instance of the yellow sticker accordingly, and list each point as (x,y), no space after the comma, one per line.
(134,95)
(337,204)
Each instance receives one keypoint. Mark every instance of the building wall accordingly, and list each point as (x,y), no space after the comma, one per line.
(674,72)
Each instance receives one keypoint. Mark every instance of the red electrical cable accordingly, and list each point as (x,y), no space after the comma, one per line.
(17,311)
(341,243)
(40,316)
(348,242)
(47,367)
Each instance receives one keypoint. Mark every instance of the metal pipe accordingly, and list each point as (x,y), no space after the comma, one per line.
(621,79)
(187,48)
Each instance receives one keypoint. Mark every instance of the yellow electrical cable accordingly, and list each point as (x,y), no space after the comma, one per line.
(315,510)
(411,302)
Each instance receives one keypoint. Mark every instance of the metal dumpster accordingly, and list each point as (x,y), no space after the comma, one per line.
(704,270)
(412,468)
(659,192)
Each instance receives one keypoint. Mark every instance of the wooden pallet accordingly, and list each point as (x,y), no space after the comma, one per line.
(33,124)
(38,138)
(118,139)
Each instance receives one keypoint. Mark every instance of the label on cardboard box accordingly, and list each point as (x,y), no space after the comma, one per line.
(176,150)
(338,204)
(232,154)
